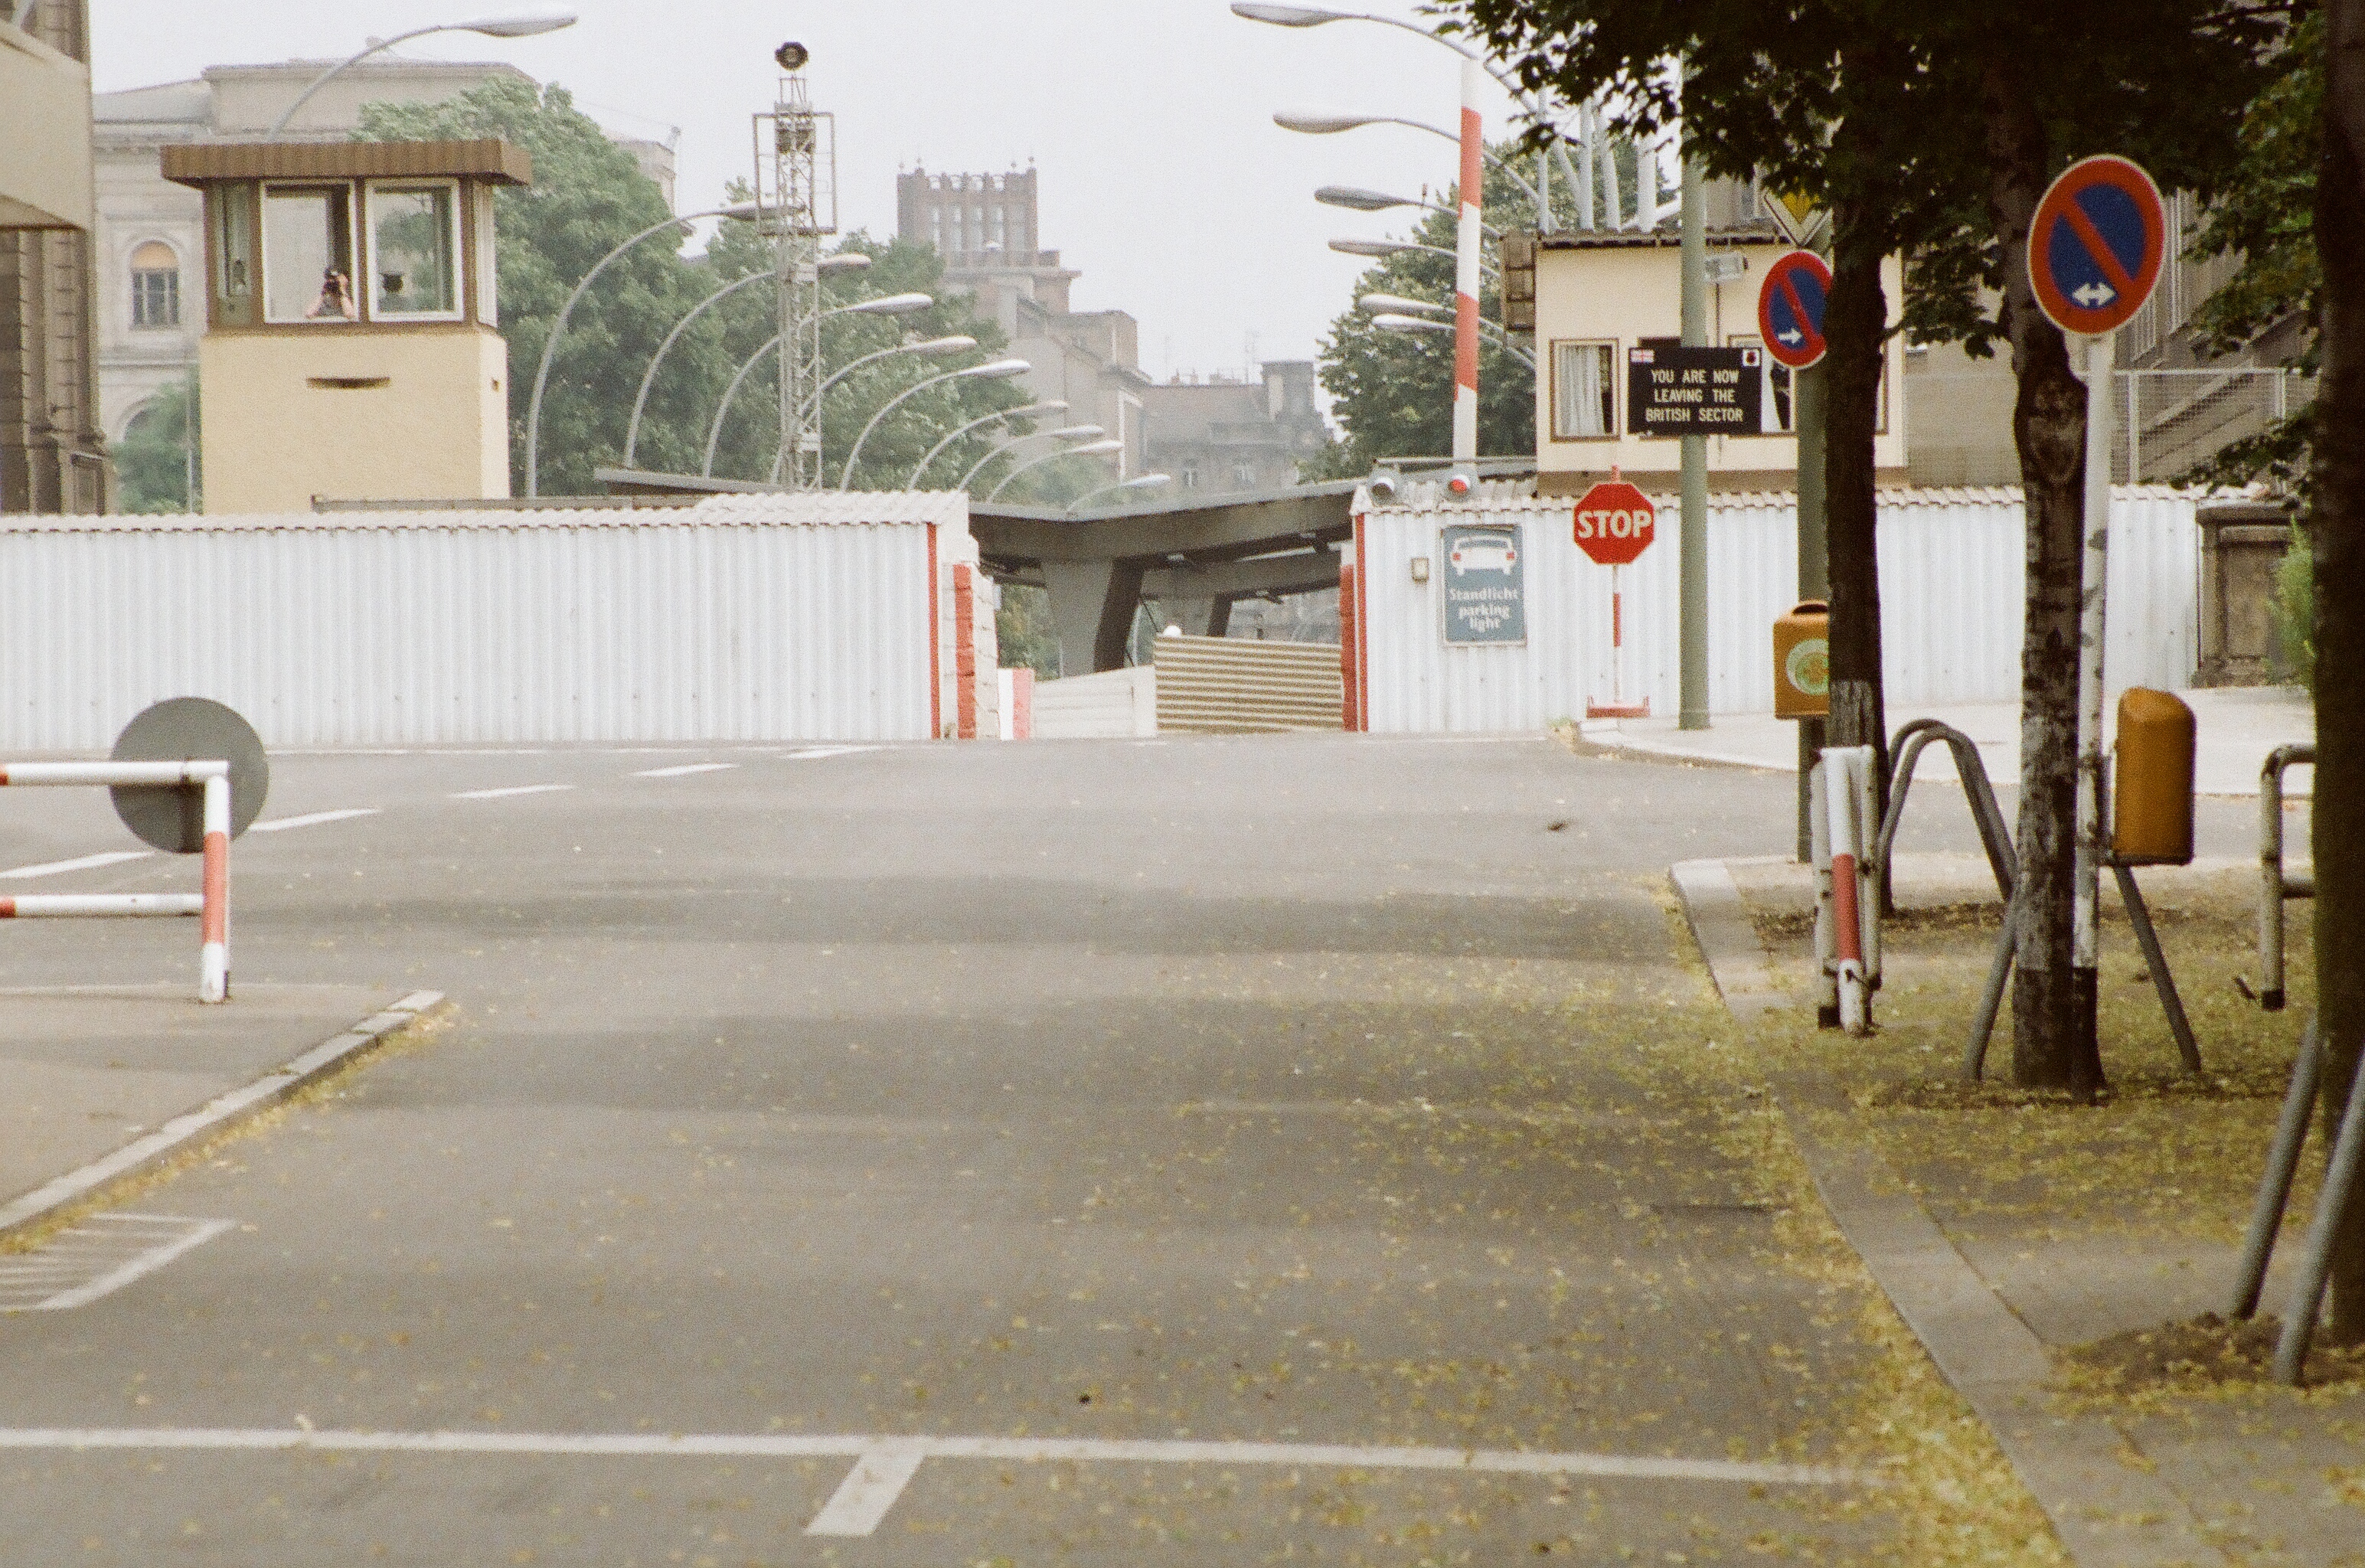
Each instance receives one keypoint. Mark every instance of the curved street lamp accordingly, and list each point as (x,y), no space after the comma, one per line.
(740,212)
(1383,249)
(1356,198)
(1052,405)
(1538,106)
(1139,482)
(1093,449)
(931,347)
(1392,322)
(1331,125)
(844,262)
(998,370)
(524,25)
(1072,433)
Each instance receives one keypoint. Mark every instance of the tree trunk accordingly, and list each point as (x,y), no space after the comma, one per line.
(1853,326)
(2050,1049)
(2338,529)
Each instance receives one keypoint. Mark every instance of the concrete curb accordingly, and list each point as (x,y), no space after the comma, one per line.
(1605,734)
(2093,1481)
(145,1154)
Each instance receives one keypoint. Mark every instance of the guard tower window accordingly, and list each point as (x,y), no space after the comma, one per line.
(234,243)
(1584,391)
(156,287)
(414,244)
(307,255)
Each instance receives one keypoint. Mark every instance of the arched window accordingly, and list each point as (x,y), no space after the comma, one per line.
(156,287)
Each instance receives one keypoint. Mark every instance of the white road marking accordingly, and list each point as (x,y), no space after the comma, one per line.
(281,825)
(97,1258)
(686,769)
(513,789)
(815,752)
(860,1503)
(884,1465)
(87,863)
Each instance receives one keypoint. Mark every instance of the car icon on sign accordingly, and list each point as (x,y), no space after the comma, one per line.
(1486,552)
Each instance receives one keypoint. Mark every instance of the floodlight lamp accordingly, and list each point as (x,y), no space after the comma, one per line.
(1000,370)
(1078,432)
(1380,248)
(937,347)
(1395,323)
(791,57)
(890,305)
(845,262)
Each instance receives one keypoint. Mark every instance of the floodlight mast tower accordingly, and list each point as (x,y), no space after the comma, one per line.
(796,196)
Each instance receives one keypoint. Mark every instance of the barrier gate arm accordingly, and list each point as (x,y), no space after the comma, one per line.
(211,906)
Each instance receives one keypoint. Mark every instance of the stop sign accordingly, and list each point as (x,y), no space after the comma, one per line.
(1615,522)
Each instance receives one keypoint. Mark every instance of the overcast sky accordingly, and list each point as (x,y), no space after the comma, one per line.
(1165,182)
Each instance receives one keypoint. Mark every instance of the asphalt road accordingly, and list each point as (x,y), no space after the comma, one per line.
(1190,1151)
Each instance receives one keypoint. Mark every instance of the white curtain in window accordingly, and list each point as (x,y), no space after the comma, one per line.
(1580,385)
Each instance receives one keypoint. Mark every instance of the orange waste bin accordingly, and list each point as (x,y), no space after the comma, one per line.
(2152,804)
(1802,661)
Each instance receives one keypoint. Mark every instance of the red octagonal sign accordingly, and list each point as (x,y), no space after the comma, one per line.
(1615,522)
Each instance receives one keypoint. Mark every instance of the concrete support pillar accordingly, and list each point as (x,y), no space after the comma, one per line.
(1093,605)
(1197,617)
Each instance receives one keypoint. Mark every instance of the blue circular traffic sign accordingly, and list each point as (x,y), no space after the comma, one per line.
(2097,244)
(1790,309)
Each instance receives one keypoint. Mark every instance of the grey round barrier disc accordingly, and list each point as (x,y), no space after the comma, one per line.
(189,728)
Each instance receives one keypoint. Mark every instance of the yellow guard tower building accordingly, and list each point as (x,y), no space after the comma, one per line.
(352,349)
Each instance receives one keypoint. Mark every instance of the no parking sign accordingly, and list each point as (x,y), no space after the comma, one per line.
(2096,246)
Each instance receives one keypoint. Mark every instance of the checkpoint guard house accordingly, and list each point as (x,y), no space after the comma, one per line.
(1602,296)
(352,347)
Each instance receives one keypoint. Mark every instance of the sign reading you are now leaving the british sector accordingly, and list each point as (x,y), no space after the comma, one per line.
(1672,391)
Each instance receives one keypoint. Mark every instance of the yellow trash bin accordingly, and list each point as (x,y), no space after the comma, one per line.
(1802,661)
(2152,804)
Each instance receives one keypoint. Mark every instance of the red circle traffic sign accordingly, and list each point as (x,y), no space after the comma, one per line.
(1790,309)
(2097,244)
(1615,522)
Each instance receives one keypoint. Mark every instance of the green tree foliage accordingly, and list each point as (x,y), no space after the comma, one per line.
(2265,216)
(157,456)
(1930,128)
(1393,392)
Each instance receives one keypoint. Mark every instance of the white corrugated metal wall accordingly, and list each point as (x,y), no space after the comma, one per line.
(721,623)
(1952,566)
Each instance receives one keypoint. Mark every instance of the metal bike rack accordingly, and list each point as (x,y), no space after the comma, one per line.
(2004,859)
(2275,884)
(2274,1197)
(1994,836)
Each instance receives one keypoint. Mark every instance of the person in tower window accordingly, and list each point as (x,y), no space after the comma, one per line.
(336,301)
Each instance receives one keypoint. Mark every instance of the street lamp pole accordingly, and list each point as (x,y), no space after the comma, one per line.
(1073,433)
(524,25)
(1468,240)
(740,211)
(1000,370)
(1139,482)
(931,347)
(1095,449)
(1053,406)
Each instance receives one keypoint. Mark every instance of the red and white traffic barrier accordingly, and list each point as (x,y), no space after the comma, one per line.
(1847,899)
(211,906)
(1469,237)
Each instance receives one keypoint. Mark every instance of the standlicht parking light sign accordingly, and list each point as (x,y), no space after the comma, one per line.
(1486,586)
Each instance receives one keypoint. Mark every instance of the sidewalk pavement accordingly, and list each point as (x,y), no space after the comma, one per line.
(101,1083)
(2237,727)
(2009,1233)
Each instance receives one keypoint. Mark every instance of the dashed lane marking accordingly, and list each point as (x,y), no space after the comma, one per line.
(685,770)
(96,1258)
(84,863)
(512,791)
(314,819)
(885,1465)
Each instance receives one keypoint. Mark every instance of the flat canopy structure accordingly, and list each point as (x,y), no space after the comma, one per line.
(213,163)
(1099,565)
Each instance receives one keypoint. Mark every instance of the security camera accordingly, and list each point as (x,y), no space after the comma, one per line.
(792,56)
(1382,485)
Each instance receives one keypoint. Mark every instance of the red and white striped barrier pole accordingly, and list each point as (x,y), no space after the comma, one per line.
(1465,270)
(1853,954)
(211,906)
